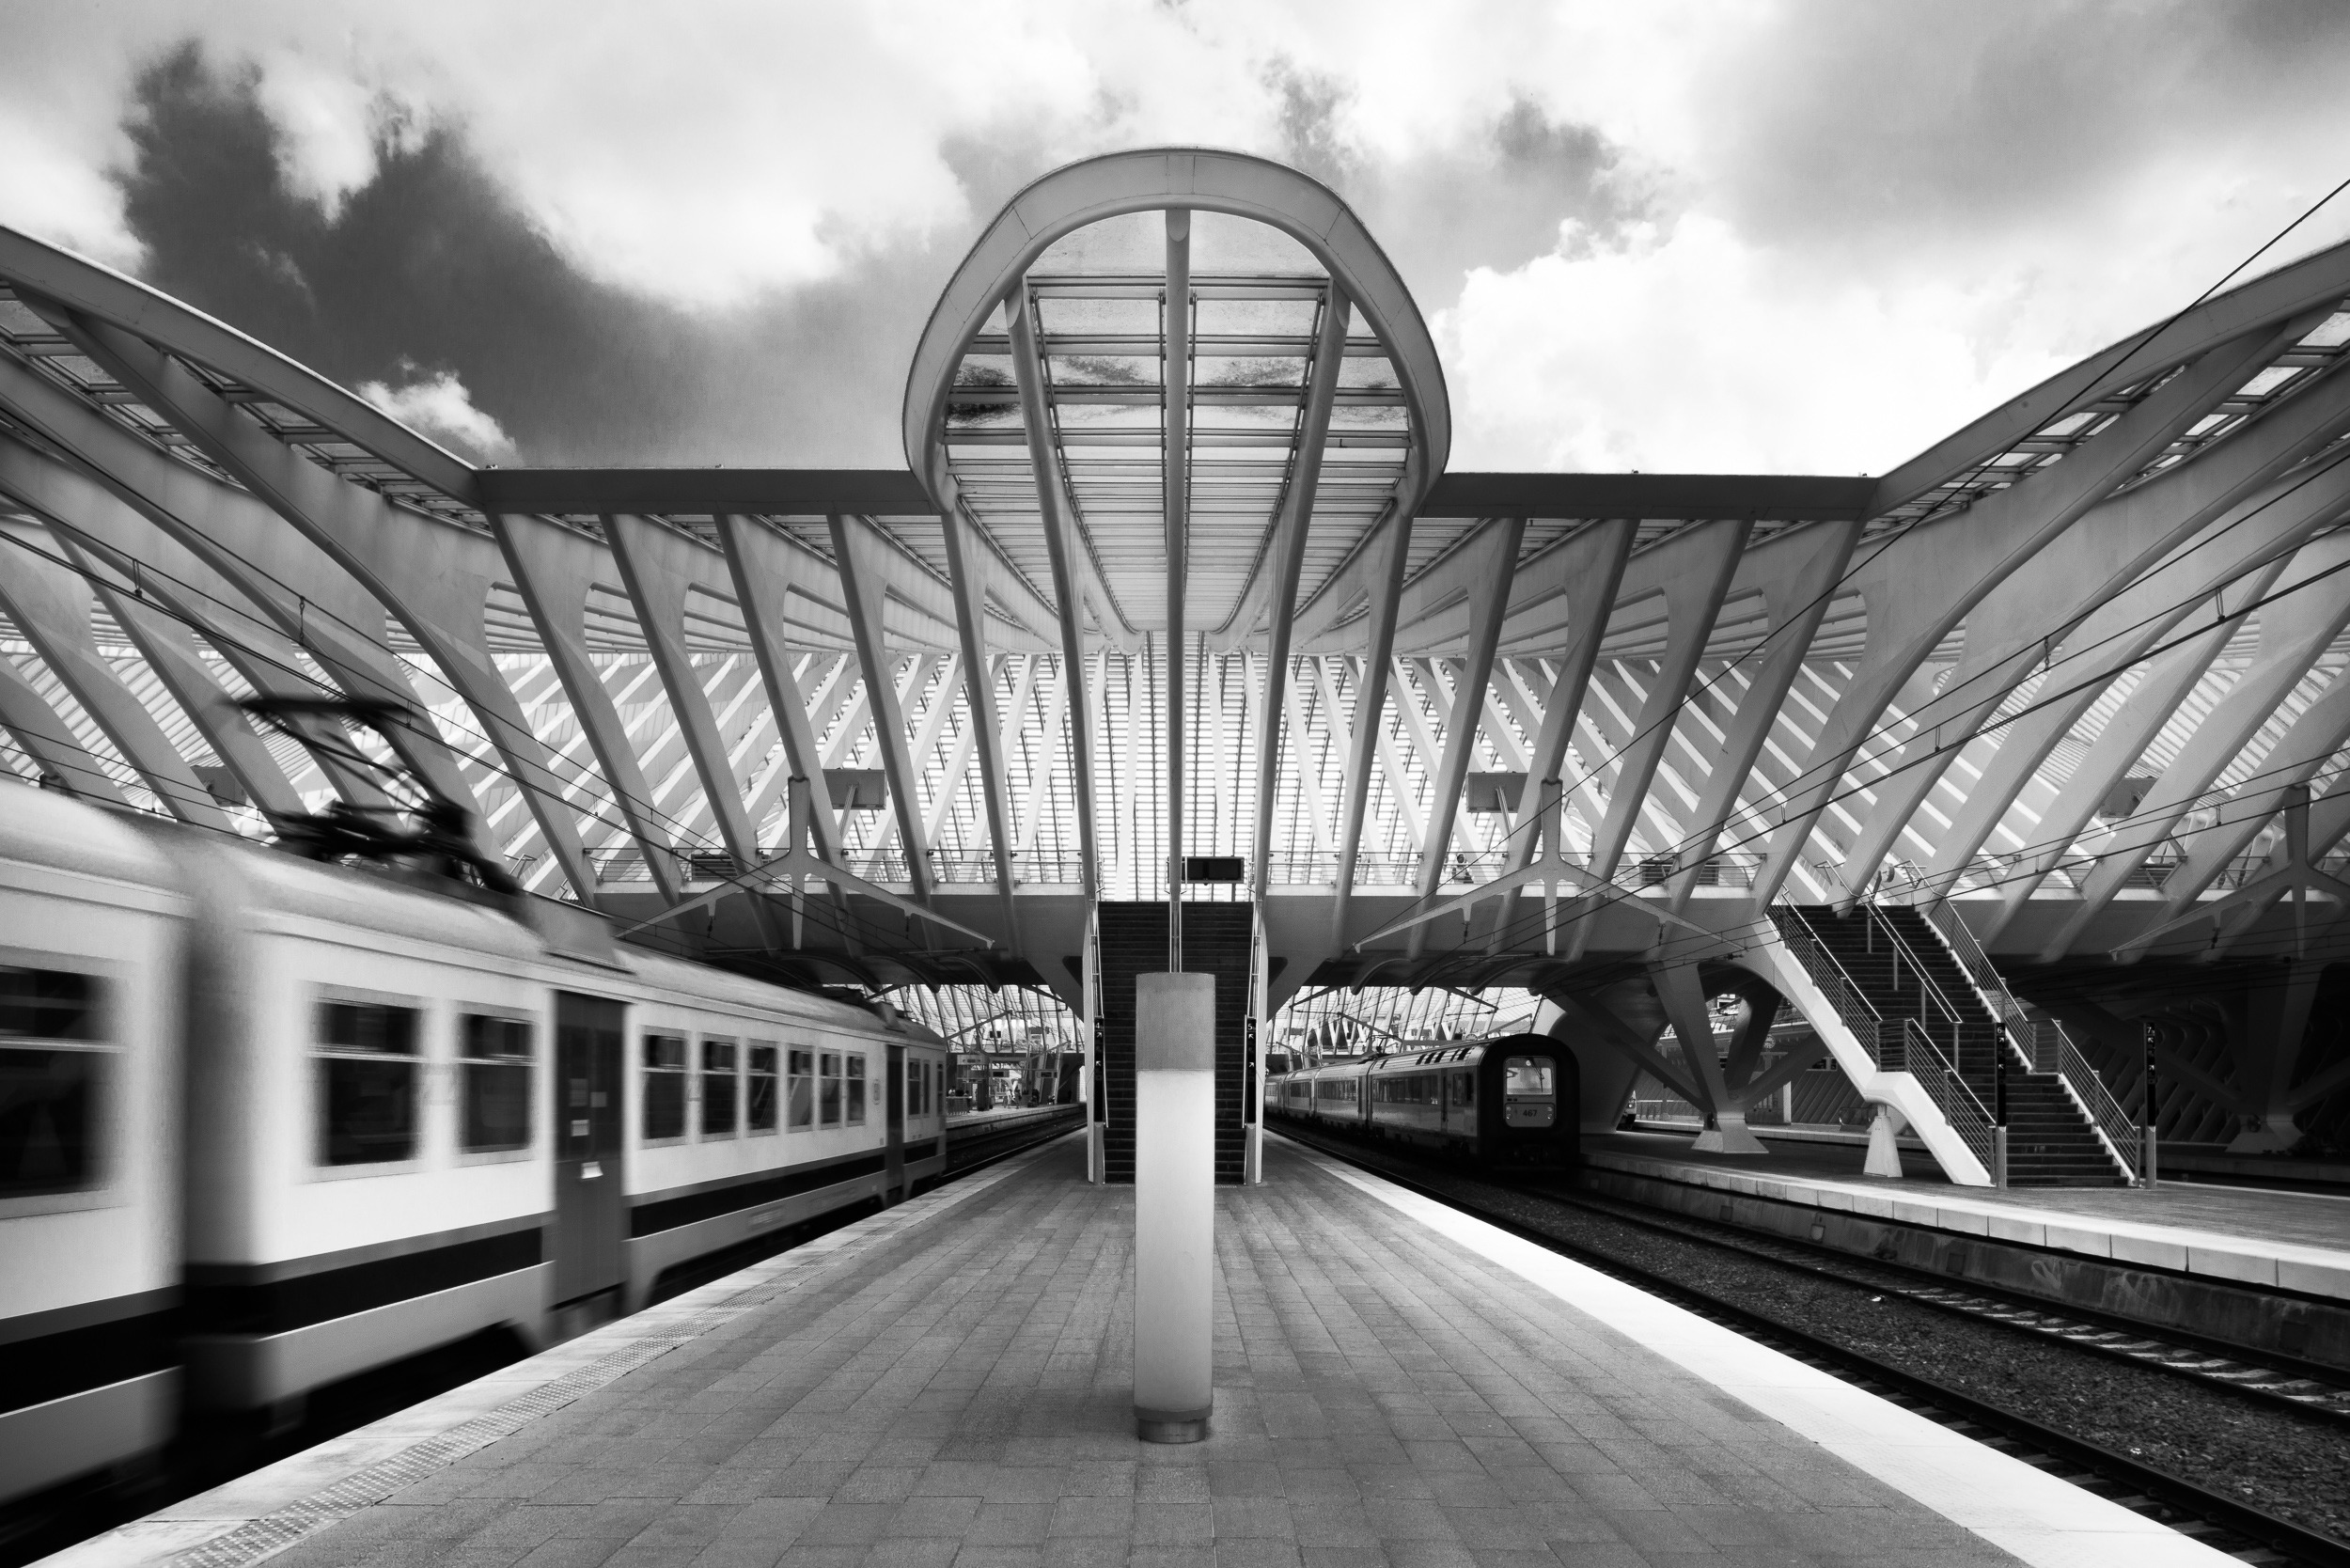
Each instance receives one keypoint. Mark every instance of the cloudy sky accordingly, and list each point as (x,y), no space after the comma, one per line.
(1728,236)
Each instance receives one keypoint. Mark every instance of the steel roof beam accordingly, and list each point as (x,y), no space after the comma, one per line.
(1068,557)
(1383,566)
(862,576)
(45,738)
(1795,594)
(2315,283)
(1489,602)
(50,603)
(1919,586)
(132,561)
(2113,547)
(313,601)
(1287,559)
(553,570)
(2313,736)
(1693,590)
(658,568)
(435,577)
(2296,629)
(1175,510)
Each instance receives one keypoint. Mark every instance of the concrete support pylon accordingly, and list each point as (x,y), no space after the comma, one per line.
(1884,1155)
(1174,1206)
(2274,1022)
(1678,988)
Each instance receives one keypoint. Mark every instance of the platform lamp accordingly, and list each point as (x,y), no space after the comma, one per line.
(2148,1138)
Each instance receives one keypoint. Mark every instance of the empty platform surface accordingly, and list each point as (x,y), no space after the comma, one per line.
(2298,1241)
(947,1384)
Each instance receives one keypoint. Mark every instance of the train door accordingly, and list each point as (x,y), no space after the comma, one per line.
(590,1210)
(894,1119)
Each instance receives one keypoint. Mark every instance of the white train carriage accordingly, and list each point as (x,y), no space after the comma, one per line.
(416,1117)
(90,935)
(408,1113)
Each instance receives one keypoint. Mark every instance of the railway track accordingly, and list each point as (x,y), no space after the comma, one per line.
(2227,1524)
(2300,1386)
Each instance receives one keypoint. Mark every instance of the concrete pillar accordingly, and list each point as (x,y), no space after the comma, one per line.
(2268,1049)
(1884,1155)
(1174,1206)
(1683,997)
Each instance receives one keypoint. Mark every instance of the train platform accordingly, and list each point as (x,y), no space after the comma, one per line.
(2296,1242)
(2189,1161)
(946,1385)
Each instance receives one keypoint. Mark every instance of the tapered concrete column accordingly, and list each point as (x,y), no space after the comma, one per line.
(1174,1206)
(1884,1155)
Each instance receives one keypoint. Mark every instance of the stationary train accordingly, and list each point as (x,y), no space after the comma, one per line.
(1510,1100)
(267,1123)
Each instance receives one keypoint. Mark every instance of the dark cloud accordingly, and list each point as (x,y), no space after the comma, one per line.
(1496,201)
(1877,123)
(429,267)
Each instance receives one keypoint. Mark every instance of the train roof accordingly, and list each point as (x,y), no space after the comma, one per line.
(49,829)
(44,827)
(1448,1053)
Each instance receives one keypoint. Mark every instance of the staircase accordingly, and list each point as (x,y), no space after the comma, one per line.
(1931,1020)
(2049,1143)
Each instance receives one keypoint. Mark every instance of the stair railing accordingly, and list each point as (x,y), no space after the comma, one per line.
(2115,1127)
(2039,1042)
(1903,952)
(1843,992)
(1961,1107)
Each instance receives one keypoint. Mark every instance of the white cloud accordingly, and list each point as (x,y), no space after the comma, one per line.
(439,407)
(328,119)
(1688,349)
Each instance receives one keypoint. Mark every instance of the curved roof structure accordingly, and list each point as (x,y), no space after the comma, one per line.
(1176,430)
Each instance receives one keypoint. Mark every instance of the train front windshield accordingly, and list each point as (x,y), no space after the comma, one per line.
(1530,1092)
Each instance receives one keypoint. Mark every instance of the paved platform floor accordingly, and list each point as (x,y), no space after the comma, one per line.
(2294,1240)
(948,1386)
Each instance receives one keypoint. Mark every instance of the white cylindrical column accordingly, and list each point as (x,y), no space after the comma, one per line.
(1174,1206)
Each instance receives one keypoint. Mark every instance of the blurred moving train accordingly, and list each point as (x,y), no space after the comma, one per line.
(1510,1100)
(267,1123)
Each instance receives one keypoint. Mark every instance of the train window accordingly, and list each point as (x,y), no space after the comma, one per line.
(366,1083)
(494,1057)
(49,1092)
(856,1090)
(1527,1075)
(1465,1090)
(1529,1086)
(665,1085)
(719,1088)
(828,1087)
(759,1104)
(800,1088)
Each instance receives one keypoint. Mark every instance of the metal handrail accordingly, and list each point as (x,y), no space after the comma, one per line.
(1843,992)
(2031,1038)
(1927,985)
(2110,1123)
(1961,1107)
(2009,1013)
